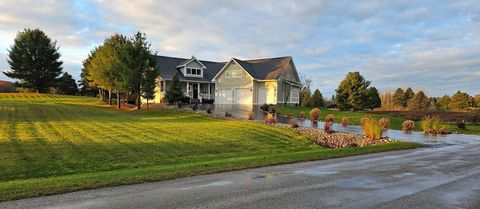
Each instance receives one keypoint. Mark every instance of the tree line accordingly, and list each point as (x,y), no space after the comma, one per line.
(35,63)
(409,100)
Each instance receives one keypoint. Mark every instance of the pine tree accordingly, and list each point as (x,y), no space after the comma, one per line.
(461,101)
(174,92)
(352,92)
(305,98)
(399,98)
(444,102)
(408,96)
(148,87)
(373,98)
(317,99)
(419,101)
(139,60)
(67,85)
(34,61)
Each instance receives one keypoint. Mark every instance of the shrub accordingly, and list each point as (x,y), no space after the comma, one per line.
(228,114)
(408,125)
(371,128)
(194,107)
(250,115)
(270,119)
(264,107)
(329,118)
(327,127)
(384,123)
(290,115)
(345,122)
(293,124)
(461,125)
(433,125)
(301,115)
(209,109)
(272,109)
(314,114)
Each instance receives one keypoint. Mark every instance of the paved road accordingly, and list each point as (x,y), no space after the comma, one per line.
(440,176)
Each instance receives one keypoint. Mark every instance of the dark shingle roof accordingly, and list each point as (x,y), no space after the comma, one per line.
(168,68)
(265,69)
(262,69)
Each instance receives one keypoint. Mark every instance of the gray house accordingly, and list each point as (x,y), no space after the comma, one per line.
(259,81)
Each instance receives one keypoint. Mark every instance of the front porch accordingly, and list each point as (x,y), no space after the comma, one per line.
(203,92)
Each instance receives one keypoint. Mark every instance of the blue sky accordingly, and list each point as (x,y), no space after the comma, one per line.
(430,45)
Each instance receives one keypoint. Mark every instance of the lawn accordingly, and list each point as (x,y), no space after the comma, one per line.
(354,118)
(53,144)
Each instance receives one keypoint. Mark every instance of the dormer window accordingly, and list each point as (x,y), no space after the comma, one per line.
(194,71)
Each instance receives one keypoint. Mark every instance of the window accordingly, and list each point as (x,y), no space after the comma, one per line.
(194,71)
(295,94)
(233,73)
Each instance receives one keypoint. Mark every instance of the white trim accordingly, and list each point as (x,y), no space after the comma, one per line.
(223,68)
(193,75)
(190,60)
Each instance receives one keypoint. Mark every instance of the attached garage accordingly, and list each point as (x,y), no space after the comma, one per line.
(243,96)
(266,95)
(224,96)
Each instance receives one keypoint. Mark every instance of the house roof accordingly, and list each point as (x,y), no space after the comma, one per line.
(168,68)
(265,69)
(261,69)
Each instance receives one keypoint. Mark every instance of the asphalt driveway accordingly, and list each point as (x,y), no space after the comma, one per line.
(445,175)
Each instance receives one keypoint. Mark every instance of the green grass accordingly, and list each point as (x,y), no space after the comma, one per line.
(354,118)
(52,144)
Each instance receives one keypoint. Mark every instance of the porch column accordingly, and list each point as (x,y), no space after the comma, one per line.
(198,89)
(188,84)
(209,94)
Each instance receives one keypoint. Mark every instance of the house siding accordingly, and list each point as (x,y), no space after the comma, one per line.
(271,96)
(245,81)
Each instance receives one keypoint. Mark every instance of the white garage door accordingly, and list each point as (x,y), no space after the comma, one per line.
(266,95)
(243,96)
(224,96)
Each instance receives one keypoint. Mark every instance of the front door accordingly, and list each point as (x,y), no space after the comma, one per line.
(195,91)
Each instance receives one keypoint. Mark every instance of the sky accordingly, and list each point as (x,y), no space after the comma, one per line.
(429,45)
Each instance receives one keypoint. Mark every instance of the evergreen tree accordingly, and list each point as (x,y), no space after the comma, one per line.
(408,96)
(477,100)
(352,92)
(34,61)
(174,92)
(399,98)
(317,99)
(140,61)
(419,101)
(444,102)
(461,101)
(373,98)
(148,87)
(305,98)
(67,85)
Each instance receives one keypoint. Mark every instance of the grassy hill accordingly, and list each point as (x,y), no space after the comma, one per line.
(52,144)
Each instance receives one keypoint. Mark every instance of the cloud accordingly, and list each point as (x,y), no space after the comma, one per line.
(426,45)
